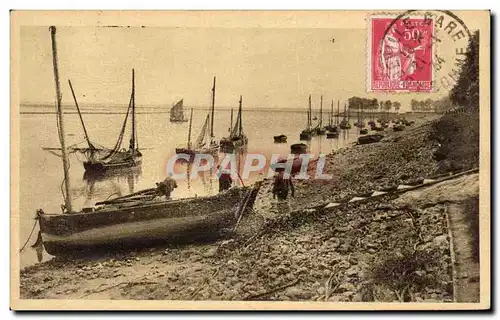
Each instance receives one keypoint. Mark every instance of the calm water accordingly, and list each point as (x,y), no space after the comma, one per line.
(41,172)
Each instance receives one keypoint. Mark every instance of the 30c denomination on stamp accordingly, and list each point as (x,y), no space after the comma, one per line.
(400,54)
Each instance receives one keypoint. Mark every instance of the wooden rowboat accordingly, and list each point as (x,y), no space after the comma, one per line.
(131,221)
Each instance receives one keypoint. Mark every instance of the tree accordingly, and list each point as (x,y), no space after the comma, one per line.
(466,90)
(388,105)
(428,104)
(397,106)
(421,105)
(414,105)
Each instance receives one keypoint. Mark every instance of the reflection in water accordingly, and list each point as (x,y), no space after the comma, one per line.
(112,181)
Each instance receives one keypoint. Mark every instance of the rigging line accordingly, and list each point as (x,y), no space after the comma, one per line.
(29,237)
(120,136)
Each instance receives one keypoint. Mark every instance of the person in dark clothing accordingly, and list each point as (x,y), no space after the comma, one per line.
(166,187)
(282,186)
(225,180)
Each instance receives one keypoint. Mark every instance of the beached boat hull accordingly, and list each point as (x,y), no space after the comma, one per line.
(138,224)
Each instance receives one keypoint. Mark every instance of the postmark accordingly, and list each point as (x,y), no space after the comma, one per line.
(415,51)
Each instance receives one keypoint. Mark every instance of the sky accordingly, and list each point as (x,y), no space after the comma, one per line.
(269,67)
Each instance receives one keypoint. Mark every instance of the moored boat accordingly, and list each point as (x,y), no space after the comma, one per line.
(280,139)
(344,124)
(118,158)
(205,143)
(333,127)
(237,138)
(308,132)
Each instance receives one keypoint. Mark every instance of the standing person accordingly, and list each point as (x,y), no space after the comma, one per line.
(225,180)
(166,187)
(282,185)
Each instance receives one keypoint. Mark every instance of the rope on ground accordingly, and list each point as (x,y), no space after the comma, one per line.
(29,237)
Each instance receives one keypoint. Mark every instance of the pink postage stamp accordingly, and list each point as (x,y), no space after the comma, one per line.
(400,54)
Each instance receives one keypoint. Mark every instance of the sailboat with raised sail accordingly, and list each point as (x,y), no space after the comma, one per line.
(237,138)
(177,112)
(202,142)
(205,142)
(136,220)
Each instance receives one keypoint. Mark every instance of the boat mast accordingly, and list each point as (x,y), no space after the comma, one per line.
(231,126)
(309,117)
(190,126)
(67,198)
(330,120)
(321,111)
(338,112)
(240,129)
(213,111)
(132,139)
(91,147)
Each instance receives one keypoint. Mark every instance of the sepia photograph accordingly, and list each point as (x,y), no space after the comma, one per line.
(237,160)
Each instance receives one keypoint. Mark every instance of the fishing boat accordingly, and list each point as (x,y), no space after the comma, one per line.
(398,127)
(205,142)
(333,130)
(363,131)
(280,139)
(202,143)
(308,132)
(136,220)
(360,123)
(100,159)
(319,130)
(344,124)
(177,112)
(237,138)
(371,138)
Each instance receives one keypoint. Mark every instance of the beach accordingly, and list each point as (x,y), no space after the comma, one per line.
(396,246)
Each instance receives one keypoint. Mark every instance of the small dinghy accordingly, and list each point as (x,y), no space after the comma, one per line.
(398,127)
(372,138)
(280,139)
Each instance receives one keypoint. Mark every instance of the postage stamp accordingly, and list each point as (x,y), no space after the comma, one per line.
(416,51)
(400,55)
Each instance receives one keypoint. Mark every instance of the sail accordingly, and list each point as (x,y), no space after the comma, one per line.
(177,111)
(235,132)
(200,141)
